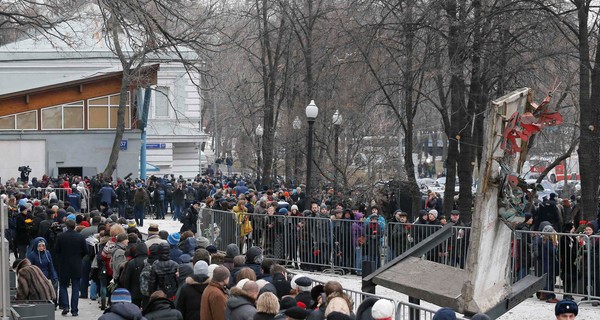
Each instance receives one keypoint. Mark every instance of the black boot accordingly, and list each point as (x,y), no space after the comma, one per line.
(103,304)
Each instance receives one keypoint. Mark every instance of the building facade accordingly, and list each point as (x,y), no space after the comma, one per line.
(174,133)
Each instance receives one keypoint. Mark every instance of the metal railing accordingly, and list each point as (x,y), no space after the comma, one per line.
(572,261)
(62,194)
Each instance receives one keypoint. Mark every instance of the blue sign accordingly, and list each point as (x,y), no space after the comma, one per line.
(123,144)
(156,146)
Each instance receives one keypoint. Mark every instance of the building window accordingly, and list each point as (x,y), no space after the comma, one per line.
(161,102)
(66,116)
(20,121)
(102,112)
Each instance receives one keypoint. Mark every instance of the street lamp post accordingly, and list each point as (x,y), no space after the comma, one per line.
(337,122)
(259,132)
(296,125)
(311,115)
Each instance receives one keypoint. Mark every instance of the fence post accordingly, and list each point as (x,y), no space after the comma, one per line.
(589,268)
(414,314)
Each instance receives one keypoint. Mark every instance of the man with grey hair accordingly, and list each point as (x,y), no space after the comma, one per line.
(241,303)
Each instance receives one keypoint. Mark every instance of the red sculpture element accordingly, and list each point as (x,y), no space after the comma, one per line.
(524,126)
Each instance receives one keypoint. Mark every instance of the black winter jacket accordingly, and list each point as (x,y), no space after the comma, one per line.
(122,311)
(161,309)
(130,278)
(190,296)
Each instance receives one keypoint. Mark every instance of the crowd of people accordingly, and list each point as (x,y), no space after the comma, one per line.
(83,234)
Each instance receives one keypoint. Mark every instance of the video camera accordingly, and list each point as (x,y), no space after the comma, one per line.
(25,170)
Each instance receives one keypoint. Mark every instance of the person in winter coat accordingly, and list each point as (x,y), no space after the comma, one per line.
(374,232)
(364,309)
(280,281)
(190,217)
(178,201)
(130,277)
(117,263)
(190,296)
(231,252)
(40,257)
(121,307)
(24,221)
(164,273)
(159,307)
(173,241)
(70,249)
(140,199)
(267,307)
(400,237)
(240,305)
(214,298)
(32,284)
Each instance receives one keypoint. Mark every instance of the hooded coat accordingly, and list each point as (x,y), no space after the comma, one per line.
(161,269)
(131,274)
(190,296)
(42,259)
(163,309)
(122,311)
(240,306)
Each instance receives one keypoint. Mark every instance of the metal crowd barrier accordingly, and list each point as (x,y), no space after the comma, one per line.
(61,194)
(570,260)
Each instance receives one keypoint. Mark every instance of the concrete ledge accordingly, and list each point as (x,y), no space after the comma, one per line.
(422,279)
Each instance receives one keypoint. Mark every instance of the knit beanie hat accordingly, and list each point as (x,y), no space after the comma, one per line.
(120,295)
(382,309)
(434,213)
(201,267)
(174,238)
(71,217)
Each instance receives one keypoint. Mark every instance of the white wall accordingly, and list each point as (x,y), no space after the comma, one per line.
(22,153)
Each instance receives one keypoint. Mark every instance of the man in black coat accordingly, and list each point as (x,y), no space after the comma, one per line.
(70,249)
(190,217)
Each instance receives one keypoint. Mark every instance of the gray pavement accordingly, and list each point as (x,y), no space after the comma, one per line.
(88,309)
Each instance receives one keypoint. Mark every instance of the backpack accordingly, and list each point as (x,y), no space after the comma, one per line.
(168,283)
(145,279)
(161,195)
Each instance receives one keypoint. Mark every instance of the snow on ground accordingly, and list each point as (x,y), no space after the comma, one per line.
(530,309)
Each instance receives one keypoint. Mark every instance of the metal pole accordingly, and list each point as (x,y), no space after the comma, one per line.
(335,165)
(309,159)
(4,263)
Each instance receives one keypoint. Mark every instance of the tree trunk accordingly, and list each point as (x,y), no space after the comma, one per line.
(409,108)
(588,156)
(111,166)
